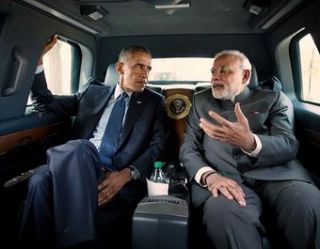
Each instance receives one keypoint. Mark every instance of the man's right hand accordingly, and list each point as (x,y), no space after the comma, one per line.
(219,184)
(236,133)
(112,184)
(51,42)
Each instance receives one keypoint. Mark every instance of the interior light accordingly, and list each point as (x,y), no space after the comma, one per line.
(93,12)
(257,7)
(171,4)
(95,15)
(60,15)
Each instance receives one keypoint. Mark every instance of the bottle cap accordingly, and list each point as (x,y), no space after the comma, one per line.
(158,164)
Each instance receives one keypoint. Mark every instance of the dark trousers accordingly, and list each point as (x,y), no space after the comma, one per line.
(114,221)
(295,205)
(61,206)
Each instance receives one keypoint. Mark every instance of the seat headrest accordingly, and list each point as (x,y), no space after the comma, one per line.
(112,75)
(254,82)
(272,83)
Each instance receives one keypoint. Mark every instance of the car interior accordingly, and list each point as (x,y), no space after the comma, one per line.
(281,39)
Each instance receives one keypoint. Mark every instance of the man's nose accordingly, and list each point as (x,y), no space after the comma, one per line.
(215,76)
(144,71)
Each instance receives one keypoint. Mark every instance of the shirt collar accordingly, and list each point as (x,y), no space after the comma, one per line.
(119,90)
(241,98)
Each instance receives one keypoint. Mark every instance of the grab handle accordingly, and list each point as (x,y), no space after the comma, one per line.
(16,73)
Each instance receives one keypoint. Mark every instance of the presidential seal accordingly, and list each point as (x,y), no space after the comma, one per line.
(177,106)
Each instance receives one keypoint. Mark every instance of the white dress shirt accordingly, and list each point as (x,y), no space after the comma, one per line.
(99,131)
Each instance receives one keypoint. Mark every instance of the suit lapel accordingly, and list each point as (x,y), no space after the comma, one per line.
(137,102)
(103,98)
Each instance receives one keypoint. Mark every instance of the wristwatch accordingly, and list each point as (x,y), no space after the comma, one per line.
(135,175)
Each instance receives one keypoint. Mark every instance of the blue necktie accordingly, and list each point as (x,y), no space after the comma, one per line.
(112,132)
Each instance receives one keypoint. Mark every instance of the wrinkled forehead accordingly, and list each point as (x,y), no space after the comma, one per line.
(139,55)
(227,60)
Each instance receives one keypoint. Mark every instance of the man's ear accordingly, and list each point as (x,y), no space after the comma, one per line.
(246,76)
(119,67)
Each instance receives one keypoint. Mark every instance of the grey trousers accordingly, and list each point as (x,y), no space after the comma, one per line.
(296,205)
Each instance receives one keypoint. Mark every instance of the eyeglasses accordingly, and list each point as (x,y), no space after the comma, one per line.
(223,70)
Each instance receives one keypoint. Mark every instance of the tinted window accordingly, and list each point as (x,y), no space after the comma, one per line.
(180,69)
(310,70)
(62,68)
(57,65)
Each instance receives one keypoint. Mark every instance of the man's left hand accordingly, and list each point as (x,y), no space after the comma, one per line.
(235,133)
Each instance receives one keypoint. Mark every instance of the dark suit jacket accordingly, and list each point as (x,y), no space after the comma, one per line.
(144,134)
(267,113)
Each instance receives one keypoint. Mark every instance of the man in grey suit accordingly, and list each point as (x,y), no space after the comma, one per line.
(81,180)
(239,152)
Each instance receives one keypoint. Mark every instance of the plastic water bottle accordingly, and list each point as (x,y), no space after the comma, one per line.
(157,174)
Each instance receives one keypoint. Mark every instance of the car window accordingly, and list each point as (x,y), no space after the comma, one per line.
(57,64)
(310,70)
(62,68)
(168,70)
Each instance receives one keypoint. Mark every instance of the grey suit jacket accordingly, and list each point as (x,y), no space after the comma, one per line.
(267,113)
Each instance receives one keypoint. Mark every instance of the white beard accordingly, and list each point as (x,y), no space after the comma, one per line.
(223,95)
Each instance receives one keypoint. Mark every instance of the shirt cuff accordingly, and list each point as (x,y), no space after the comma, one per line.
(258,148)
(199,174)
(39,69)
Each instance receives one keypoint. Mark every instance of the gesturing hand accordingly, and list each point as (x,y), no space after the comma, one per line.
(219,184)
(235,133)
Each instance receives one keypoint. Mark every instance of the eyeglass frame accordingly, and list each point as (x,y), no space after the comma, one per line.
(223,70)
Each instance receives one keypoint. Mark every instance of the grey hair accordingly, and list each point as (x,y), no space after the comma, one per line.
(128,52)
(245,63)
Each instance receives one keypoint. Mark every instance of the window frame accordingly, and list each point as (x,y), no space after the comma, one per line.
(75,64)
(294,50)
(79,69)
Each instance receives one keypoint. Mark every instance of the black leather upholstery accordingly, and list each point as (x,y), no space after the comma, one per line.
(254,81)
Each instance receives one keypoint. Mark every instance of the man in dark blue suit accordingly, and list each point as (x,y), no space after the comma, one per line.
(81,195)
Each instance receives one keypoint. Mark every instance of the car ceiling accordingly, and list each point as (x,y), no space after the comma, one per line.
(140,17)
